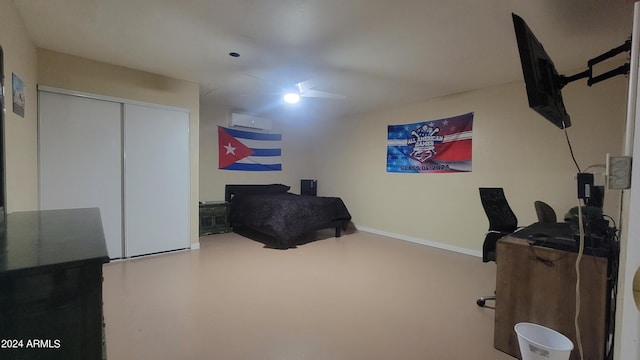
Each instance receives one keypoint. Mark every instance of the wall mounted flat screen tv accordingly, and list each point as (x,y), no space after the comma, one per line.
(540,76)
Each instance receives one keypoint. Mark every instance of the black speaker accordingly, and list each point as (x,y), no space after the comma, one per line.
(309,187)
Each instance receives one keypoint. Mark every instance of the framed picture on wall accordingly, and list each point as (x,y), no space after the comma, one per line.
(18,95)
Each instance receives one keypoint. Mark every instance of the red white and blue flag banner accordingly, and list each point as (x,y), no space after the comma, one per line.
(248,150)
(437,146)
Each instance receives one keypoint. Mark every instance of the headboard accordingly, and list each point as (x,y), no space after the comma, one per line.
(231,190)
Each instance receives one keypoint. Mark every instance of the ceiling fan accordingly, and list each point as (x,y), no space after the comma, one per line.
(302,89)
(292,94)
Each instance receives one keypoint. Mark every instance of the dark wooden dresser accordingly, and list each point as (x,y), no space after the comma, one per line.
(51,285)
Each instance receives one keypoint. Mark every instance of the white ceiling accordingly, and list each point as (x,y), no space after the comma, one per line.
(378,53)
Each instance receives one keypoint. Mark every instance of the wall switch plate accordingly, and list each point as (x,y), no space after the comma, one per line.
(619,172)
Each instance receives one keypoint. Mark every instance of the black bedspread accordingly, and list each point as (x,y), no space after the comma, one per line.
(286,216)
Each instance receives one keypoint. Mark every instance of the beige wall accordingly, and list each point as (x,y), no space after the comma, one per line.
(295,156)
(75,73)
(20,132)
(513,148)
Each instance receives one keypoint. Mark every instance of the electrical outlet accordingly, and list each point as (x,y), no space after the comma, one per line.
(619,172)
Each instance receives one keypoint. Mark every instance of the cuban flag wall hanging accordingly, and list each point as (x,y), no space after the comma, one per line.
(248,150)
(436,146)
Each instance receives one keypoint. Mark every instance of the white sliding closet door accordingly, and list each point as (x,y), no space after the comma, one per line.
(131,160)
(156,186)
(80,152)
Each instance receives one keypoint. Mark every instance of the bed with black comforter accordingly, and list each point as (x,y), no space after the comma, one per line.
(285,218)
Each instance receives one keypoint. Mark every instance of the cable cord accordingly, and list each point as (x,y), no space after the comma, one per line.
(566,135)
(614,292)
(578,259)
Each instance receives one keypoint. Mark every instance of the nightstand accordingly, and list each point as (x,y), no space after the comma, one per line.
(214,217)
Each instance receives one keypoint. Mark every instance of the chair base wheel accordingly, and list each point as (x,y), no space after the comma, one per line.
(480,302)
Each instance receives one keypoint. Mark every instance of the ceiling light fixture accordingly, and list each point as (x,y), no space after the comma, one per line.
(291,98)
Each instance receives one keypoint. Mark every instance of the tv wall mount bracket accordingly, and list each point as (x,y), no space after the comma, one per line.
(621,70)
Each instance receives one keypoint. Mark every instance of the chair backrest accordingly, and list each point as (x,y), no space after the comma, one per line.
(545,213)
(501,217)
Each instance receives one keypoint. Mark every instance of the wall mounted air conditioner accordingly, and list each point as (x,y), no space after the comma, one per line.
(251,122)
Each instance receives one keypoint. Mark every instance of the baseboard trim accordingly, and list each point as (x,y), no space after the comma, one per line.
(434,244)
(195,245)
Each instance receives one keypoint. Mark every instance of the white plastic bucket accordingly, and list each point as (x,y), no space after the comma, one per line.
(540,343)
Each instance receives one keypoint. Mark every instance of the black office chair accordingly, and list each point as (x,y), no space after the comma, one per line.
(545,213)
(502,221)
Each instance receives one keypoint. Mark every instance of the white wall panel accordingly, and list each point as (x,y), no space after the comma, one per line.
(628,311)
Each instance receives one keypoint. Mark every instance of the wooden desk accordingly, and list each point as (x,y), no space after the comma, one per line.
(528,290)
(51,285)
